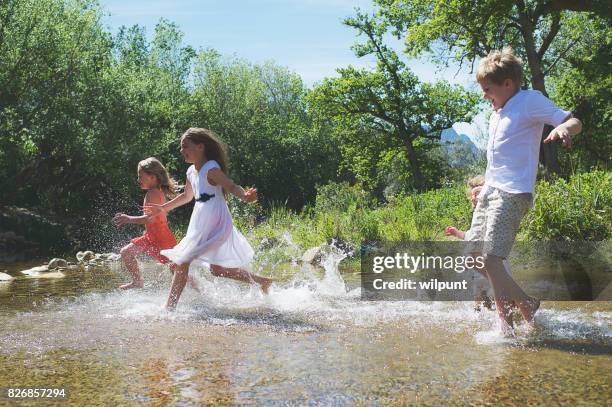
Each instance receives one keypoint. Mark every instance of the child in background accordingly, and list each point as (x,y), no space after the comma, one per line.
(211,237)
(515,132)
(152,177)
(481,288)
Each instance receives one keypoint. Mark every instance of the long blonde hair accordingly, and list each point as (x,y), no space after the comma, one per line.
(152,166)
(214,147)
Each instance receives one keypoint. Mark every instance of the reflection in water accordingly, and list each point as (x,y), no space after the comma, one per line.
(311,341)
(157,383)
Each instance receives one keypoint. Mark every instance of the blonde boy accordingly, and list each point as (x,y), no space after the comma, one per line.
(515,130)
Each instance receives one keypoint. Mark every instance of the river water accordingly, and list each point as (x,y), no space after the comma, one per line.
(311,341)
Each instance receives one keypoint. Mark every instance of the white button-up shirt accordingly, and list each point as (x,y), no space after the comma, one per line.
(515,133)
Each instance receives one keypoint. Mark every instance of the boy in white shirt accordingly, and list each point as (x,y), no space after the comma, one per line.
(515,130)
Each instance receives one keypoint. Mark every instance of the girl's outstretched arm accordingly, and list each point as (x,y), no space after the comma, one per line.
(217,177)
(453,231)
(184,197)
(153,197)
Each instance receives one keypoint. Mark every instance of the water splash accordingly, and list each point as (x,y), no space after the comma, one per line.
(312,299)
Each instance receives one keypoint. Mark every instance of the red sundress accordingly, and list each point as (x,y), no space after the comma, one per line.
(157,236)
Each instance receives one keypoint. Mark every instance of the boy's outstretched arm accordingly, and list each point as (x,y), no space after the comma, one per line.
(565,131)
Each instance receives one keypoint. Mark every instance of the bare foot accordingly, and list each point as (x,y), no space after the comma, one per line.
(528,309)
(504,311)
(265,286)
(133,284)
(194,284)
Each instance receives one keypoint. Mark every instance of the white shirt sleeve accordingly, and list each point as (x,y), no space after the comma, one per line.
(213,164)
(540,109)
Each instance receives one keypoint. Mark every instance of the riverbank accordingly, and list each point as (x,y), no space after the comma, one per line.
(574,210)
(578,209)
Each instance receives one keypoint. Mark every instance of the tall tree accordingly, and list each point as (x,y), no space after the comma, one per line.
(471,29)
(261,112)
(53,53)
(391,99)
(582,82)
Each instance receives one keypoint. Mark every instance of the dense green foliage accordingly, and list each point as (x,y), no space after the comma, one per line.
(387,121)
(80,107)
(578,209)
(582,82)
(563,43)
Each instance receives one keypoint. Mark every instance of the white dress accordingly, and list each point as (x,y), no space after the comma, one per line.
(211,236)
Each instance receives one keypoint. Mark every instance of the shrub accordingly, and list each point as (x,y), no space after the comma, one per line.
(578,209)
(339,196)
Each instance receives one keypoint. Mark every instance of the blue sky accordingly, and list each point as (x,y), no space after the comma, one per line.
(307,36)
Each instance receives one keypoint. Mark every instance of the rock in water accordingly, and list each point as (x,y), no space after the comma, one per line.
(114,256)
(35,270)
(52,274)
(341,245)
(56,262)
(85,256)
(267,243)
(6,277)
(312,255)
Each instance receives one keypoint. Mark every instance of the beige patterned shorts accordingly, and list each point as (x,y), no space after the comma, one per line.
(496,221)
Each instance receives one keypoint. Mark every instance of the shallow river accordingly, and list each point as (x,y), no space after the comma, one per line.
(311,341)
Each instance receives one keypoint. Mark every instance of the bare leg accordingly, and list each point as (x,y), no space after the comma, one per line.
(241,275)
(483,298)
(507,291)
(528,309)
(128,255)
(192,281)
(179,280)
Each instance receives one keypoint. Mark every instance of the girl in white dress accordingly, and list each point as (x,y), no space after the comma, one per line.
(211,236)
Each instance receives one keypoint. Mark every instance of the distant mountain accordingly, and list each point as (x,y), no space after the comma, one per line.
(452,136)
(459,147)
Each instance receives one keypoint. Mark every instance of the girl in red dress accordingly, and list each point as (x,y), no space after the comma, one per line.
(152,177)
